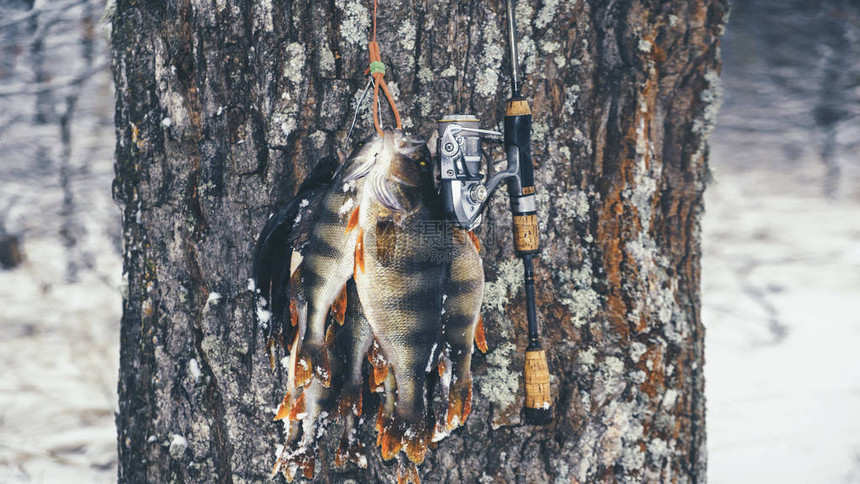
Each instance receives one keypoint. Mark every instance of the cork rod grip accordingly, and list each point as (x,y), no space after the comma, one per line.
(538,404)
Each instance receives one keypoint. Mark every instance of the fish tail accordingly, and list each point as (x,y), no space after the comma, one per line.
(390,438)
(400,432)
(294,458)
(459,403)
(350,402)
(313,360)
(407,472)
(350,448)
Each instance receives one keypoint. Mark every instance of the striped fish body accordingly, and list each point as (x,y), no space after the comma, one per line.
(461,318)
(272,257)
(400,276)
(352,341)
(320,245)
(327,261)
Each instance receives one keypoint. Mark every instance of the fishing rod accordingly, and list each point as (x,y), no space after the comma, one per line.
(465,195)
(521,189)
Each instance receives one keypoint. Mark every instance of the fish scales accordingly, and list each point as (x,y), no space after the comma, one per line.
(352,342)
(464,291)
(328,260)
(401,286)
(319,239)
(272,252)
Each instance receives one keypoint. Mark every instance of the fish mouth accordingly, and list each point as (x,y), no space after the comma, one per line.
(375,164)
(400,148)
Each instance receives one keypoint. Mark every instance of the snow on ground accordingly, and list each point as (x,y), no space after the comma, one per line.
(60,309)
(59,355)
(781,280)
(781,244)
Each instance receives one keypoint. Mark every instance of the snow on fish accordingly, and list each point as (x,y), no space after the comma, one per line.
(343,275)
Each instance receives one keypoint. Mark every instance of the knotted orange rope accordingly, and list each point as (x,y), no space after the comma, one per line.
(377,71)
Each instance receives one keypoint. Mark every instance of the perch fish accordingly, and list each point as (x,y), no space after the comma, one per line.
(400,274)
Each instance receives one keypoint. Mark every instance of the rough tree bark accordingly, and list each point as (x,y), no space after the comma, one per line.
(222,109)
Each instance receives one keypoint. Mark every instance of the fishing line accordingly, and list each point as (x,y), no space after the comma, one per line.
(358,108)
(376,70)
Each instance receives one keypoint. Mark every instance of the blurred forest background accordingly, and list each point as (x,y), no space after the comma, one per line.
(781,237)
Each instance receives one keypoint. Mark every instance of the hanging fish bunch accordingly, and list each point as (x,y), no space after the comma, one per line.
(371,279)
(361,283)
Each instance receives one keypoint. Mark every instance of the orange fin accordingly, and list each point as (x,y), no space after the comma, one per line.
(308,464)
(350,449)
(284,408)
(441,368)
(480,336)
(359,252)
(353,220)
(329,335)
(416,446)
(391,440)
(475,240)
(338,307)
(322,368)
(380,373)
(459,404)
(294,313)
(379,363)
(350,401)
(298,409)
(277,468)
(304,370)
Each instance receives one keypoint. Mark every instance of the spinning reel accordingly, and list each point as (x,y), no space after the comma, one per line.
(465,195)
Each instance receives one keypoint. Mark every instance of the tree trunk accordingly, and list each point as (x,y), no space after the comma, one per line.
(224,107)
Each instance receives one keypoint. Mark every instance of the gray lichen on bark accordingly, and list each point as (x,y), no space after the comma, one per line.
(222,109)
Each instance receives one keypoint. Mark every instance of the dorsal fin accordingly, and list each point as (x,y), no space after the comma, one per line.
(353,220)
(475,240)
(359,252)
(480,336)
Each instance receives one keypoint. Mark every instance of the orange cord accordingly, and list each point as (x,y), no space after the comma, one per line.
(378,77)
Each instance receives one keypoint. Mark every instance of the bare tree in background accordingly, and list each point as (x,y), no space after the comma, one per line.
(60,241)
(224,107)
(48,52)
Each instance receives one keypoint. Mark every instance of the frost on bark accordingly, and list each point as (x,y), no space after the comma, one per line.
(224,107)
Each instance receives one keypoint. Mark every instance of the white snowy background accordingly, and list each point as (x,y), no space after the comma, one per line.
(781,241)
